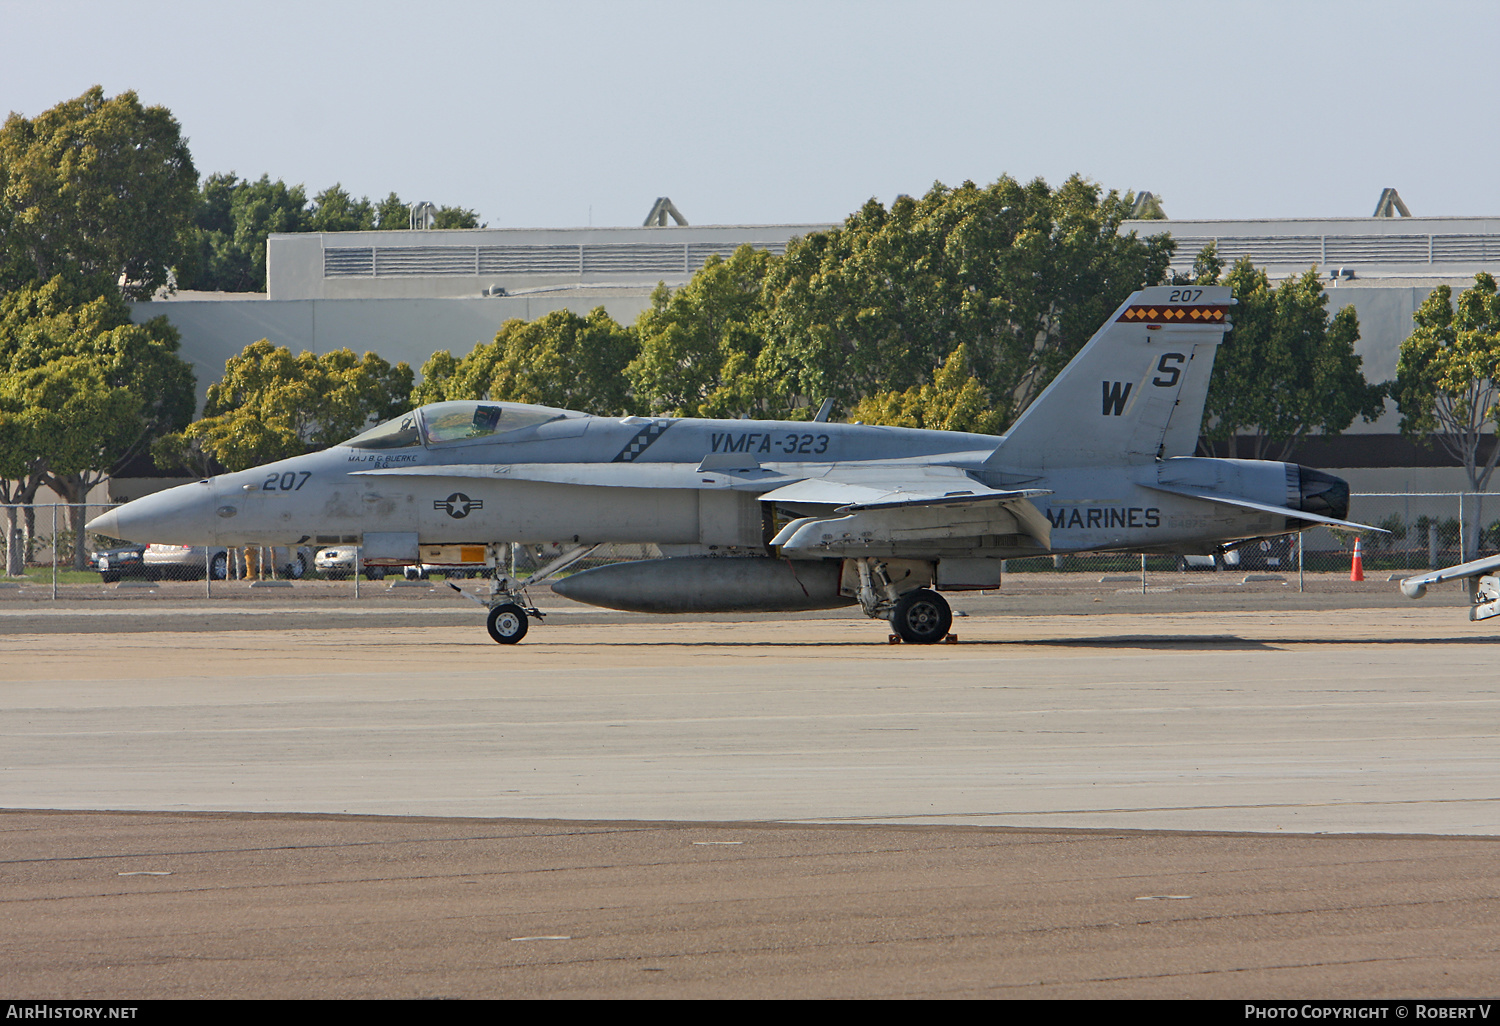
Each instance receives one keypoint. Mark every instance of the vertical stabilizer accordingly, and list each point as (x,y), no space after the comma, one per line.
(1135,392)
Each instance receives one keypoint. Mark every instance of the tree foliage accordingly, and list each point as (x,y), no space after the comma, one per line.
(1286,368)
(66,327)
(103,186)
(232,221)
(561,360)
(699,345)
(1447,374)
(82,389)
(1021,275)
(954,401)
(271,405)
(455,217)
(233,217)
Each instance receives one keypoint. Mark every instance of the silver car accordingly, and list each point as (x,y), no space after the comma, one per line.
(187,562)
(336,562)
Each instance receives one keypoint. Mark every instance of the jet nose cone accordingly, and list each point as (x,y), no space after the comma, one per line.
(104,523)
(183,515)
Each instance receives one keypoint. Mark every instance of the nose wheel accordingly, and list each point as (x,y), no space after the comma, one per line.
(506,623)
(921,617)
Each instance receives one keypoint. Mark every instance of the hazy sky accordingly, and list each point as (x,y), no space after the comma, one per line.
(570,113)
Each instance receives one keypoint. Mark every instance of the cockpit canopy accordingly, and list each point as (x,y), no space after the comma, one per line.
(443,423)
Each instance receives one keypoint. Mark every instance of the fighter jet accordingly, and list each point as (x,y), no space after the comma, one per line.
(784,515)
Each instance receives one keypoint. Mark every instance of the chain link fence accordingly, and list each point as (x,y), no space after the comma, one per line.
(47,545)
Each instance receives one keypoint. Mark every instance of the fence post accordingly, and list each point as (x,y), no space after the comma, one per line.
(1432,547)
(1463,533)
(1301,583)
(54,552)
(356,571)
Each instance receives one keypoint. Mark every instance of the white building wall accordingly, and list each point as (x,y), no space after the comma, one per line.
(395,329)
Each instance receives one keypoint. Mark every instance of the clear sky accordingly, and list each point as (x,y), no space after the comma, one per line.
(563,113)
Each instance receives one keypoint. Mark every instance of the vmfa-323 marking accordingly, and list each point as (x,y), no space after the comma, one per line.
(768,515)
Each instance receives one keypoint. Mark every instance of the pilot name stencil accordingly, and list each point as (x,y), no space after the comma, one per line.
(381,459)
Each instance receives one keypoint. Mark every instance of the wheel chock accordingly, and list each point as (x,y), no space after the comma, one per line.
(893,639)
(951,639)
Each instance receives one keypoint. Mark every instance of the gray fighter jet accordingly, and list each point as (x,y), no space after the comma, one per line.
(784,515)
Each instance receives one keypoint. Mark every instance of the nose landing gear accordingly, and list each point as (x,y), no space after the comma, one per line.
(509,611)
(506,623)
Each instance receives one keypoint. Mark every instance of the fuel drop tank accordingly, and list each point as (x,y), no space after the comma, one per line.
(708,584)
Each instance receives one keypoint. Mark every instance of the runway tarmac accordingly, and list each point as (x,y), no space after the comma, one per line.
(1146,717)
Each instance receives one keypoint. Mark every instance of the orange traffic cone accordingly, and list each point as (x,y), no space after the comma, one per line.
(1357,568)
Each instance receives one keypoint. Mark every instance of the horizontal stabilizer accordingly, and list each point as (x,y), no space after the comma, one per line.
(1263,507)
(1416,587)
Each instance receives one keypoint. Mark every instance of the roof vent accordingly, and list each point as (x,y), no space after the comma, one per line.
(1390,205)
(1147,207)
(660,210)
(423,215)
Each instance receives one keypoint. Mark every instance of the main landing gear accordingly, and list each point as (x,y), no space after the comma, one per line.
(921,617)
(918,617)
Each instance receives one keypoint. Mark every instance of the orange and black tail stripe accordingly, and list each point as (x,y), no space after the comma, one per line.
(1175,314)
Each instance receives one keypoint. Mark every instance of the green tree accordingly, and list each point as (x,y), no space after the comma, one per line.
(106,186)
(561,360)
(698,345)
(22,466)
(232,221)
(392,214)
(271,405)
(1286,368)
(1021,275)
(86,390)
(436,373)
(953,401)
(455,217)
(1447,374)
(334,210)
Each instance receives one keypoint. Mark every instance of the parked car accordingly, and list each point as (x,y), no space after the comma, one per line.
(114,564)
(186,562)
(336,562)
(1277,553)
(1214,561)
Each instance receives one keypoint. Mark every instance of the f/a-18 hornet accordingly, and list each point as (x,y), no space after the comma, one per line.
(784,515)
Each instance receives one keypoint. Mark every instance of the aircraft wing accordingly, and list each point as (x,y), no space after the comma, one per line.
(1263,507)
(907,510)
